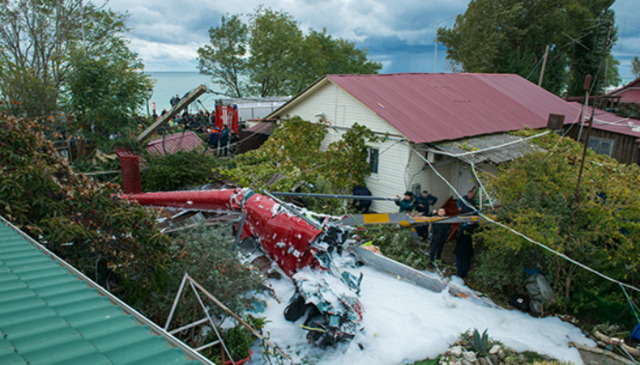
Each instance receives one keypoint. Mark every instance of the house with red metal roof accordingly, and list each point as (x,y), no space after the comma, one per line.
(434,117)
(629,93)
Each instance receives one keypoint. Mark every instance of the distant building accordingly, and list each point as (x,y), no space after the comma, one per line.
(629,93)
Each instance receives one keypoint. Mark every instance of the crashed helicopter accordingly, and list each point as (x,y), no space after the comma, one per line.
(302,249)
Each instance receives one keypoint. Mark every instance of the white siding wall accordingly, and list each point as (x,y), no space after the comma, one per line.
(399,167)
(422,174)
(342,110)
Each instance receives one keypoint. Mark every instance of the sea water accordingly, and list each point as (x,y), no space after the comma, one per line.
(169,84)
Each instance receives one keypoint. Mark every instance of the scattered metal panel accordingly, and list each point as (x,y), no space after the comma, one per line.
(423,279)
(52,313)
(496,156)
(163,119)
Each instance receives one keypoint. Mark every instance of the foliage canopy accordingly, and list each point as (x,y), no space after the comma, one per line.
(537,198)
(270,56)
(114,242)
(69,56)
(635,66)
(510,36)
(175,171)
(292,156)
(293,152)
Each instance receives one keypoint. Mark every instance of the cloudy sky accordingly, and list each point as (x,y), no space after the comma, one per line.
(167,33)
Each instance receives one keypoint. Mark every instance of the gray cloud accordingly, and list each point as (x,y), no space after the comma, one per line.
(166,34)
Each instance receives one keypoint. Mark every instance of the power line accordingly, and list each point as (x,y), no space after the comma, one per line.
(522,235)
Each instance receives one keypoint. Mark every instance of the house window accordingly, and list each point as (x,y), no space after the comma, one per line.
(601,146)
(374,159)
(416,189)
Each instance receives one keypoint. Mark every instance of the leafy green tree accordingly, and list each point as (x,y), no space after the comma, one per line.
(510,36)
(292,150)
(635,66)
(49,48)
(106,91)
(275,45)
(322,55)
(537,196)
(224,60)
(271,56)
(612,74)
(590,25)
(112,241)
(292,155)
(174,171)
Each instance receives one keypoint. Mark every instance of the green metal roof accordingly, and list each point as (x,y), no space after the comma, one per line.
(52,314)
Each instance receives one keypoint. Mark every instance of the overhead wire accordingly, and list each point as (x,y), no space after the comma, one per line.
(488,219)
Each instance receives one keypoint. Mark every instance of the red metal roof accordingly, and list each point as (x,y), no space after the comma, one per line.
(630,93)
(447,106)
(187,141)
(610,122)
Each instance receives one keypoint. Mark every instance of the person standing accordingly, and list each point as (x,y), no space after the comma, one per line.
(233,141)
(423,205)
(464,249)
(470,202)
(439,234)
(224,140)
(212,140)
(424,202)
(362,205)
(407,203)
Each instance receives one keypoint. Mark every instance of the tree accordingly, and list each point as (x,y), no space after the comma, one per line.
(510,36)
(537,198)
(611,67)
(322,55)
(271,56)
(224,60)
(116,243)
(590,25)
(275,45)
(34,36)
(49,48)
(106,92)
(635,66)
(293,154)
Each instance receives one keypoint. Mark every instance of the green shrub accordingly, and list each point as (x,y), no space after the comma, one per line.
(206,254)
(180,170)
(399,244)
(112,241)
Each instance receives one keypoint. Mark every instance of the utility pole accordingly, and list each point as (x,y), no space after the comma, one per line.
(544,65)
(586,139)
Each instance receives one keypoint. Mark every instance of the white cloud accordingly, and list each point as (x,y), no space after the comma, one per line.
(166,34)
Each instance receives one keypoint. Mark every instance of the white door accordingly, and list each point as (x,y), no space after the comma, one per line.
(464,180)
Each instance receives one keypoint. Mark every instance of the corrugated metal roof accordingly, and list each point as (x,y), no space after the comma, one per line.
(629,93)
(499,155)
(438,107)
(187,141)
(52,315)
(263,127)
(610,122)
